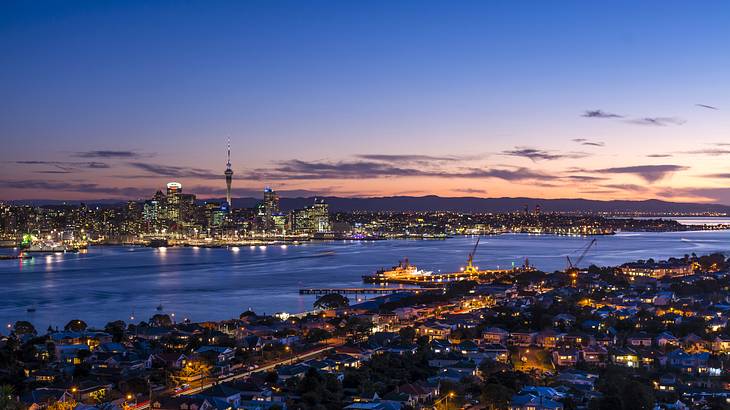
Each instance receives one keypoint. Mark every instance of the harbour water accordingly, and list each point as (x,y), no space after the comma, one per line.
(110,283)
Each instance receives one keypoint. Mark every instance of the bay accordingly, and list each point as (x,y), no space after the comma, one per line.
(110,283)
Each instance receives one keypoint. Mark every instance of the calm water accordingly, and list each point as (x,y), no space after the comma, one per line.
(111,283)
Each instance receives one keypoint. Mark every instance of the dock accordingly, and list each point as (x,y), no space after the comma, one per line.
(362,291)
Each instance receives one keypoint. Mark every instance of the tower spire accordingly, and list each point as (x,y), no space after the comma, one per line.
(229,176)
(228,164)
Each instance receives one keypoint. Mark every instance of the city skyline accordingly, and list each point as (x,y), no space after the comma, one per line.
(114,100)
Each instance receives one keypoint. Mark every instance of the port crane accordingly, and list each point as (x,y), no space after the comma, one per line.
(470,259)
(572,268)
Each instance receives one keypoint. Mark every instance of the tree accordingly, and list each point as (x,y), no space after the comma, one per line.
(76,325)
(495,396)
(63,405)
(331,301)
(116,329)
(316,335)
(161,320)
(7,398)
(23,327)
(637,396)
(407,334)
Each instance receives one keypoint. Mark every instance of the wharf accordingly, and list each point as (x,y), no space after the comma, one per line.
(361,291)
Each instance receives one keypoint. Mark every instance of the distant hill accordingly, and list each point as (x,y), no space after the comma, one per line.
(473,204)
(457,204)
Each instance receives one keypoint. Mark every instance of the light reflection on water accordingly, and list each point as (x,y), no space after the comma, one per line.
(110,283)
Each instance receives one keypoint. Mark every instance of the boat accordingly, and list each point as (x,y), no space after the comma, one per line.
(404,270)
(50,247)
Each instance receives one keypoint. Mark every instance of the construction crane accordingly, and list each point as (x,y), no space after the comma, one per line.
(470,260)
(572,268)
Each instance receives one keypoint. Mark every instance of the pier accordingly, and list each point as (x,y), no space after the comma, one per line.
(362,291)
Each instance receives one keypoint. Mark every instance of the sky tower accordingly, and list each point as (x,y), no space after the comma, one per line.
(229,176)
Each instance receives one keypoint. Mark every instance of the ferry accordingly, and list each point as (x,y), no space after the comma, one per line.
(50,247)
(404,270)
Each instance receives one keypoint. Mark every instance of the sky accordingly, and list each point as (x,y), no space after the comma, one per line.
(564,99)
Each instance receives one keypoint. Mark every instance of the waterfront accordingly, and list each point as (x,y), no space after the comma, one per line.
(109,283)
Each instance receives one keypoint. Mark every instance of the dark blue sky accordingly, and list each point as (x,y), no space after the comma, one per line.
(164,84)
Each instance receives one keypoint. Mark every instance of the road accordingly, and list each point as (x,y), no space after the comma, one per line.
(193,390)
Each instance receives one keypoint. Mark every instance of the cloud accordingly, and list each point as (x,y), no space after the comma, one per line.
(410,158)
(584,141)
(470,190)
(709,107)
(174,171)
(536,154)
(627,187)
(66,166)
(709,151)
(304,170)
(657,121)
(650,173)
(89,188)
(584,178)
(599,114)
(659,155)
(109,154)
(721,195)
(721,175)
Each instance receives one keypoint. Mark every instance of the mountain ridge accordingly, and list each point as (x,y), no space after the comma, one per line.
(401,203)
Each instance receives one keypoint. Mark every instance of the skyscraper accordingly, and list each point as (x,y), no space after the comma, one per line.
(174,190)
(229,176)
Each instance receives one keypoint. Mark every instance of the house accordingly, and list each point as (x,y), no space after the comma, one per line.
(434,330)
(564,320)
(666,339)
(168,360)
(594,355)
(641,339)
(625,357)
(223,393)
(548,338)
(496,352)
(721,344)
(565,357)
(495,335)
(222,355)
(523,339)
(533,402)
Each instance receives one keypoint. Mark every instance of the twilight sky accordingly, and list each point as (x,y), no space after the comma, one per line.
(600,100)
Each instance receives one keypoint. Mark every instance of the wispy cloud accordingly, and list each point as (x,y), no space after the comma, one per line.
(657,121)
(175,171)
(88,188)
(600,114)
(709,107)
(411,158)
(536,154)
(314,170)
(470,190)
(650,173)
(66,166)
(121,154)
(659,155)
(627,187)
(584,141)
(721,195)
(715,152)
